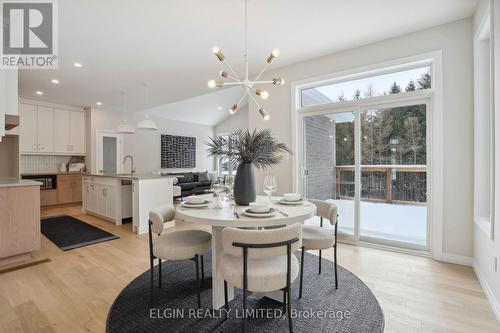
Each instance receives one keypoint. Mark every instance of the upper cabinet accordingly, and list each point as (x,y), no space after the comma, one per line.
(51,130)
(8,97)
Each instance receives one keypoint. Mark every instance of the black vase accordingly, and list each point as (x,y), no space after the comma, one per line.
(244,184)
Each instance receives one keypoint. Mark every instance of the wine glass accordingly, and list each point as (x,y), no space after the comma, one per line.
(217,188)
(229,182)
(270,185)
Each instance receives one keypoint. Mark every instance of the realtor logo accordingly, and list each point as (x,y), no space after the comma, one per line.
(29,34)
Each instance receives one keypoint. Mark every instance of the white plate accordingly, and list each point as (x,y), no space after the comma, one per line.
(200,205)
(271,213)
(292,203)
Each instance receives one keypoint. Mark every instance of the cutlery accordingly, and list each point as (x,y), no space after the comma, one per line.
(284,214)
(236,215)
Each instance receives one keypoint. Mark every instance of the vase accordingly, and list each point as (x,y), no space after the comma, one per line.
(244,184)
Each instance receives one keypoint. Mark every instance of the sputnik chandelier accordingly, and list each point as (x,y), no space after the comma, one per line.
(248,85)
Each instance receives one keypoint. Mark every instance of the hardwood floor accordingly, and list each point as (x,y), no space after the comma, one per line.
(74,291)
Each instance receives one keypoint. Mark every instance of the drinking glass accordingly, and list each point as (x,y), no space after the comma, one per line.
(270,185)
(217,188)
(229,182)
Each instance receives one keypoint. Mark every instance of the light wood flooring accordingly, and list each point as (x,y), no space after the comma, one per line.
(74,291)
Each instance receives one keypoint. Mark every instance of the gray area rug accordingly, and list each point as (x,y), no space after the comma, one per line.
(350,309)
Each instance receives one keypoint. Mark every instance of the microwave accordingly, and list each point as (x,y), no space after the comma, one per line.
(49,182)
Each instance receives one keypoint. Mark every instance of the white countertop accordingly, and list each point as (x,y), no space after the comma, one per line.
(18,183)
(135,176)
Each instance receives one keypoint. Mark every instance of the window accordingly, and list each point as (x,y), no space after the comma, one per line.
(395,82)
(223,165)
(372,156)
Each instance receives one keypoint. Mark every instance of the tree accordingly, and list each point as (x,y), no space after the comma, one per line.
(376,127)
(370,90)
(357,94)
(410,86)
(341,97)
(425,81)
(413,139)
(395,88)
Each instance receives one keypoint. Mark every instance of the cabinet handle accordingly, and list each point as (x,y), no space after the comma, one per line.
(105,192)
(87,189)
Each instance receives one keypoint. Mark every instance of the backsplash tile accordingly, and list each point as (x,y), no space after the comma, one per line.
(42,163)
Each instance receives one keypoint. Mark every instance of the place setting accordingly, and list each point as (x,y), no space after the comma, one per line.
(195,202)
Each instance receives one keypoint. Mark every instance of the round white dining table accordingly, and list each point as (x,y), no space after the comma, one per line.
(230,215)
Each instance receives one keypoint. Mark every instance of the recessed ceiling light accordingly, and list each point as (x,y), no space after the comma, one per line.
(55,81)
(77,64)
(39,92)
(220,108)
(99,103)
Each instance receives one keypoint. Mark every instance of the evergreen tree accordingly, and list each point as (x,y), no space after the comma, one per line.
(410,86)
(395,88)
(357,94)
(425,81)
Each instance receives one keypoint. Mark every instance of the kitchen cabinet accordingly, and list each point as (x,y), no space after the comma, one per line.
(48,197)
(19,223)
(49,130)
(69,189)
(45,129)
(100,197)
(27,128)
(8,97)
(69,131)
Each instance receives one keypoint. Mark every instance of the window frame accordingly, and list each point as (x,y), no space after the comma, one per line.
(485,223)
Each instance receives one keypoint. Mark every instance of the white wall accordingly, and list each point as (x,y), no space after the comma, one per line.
(455,41)
(237,121)
(486,249)
(144,145)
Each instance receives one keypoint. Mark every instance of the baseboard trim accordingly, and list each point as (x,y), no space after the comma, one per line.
(455,259)
(490,296)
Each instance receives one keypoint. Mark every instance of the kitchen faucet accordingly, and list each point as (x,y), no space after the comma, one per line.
(132,169)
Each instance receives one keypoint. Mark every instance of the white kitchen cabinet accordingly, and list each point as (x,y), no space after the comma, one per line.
(8,97)
(100,197)
(45,129)
(27,128)
(61,131)
(69,131)
(48,130)
(77,132)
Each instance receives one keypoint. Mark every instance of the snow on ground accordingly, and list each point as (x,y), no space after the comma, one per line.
(403,223)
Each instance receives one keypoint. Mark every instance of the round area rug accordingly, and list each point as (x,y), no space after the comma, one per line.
(349,309)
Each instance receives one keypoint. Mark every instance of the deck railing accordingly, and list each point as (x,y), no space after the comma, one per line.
(401,184)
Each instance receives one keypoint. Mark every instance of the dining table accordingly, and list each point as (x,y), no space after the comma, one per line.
(229,214)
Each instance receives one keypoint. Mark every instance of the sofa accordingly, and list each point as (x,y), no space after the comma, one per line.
(192,183)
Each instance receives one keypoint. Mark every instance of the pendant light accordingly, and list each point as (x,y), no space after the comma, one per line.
(146,123)
(125,127)
(249,85)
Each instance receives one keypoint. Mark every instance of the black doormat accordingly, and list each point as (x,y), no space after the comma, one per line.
(70,233)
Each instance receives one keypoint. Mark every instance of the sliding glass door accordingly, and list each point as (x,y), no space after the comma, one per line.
(372,162)
(394,175)
(329,147)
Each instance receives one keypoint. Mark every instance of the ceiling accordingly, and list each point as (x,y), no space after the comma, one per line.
(167,44)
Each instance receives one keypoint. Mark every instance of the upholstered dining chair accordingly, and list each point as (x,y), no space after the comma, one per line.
(319,238)
(261,261)
(176,245)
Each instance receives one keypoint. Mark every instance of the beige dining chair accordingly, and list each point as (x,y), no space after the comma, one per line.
(176,245)
(261,261)
(319,238)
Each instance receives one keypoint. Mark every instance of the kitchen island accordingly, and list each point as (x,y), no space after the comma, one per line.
(19,220)
(115,197)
